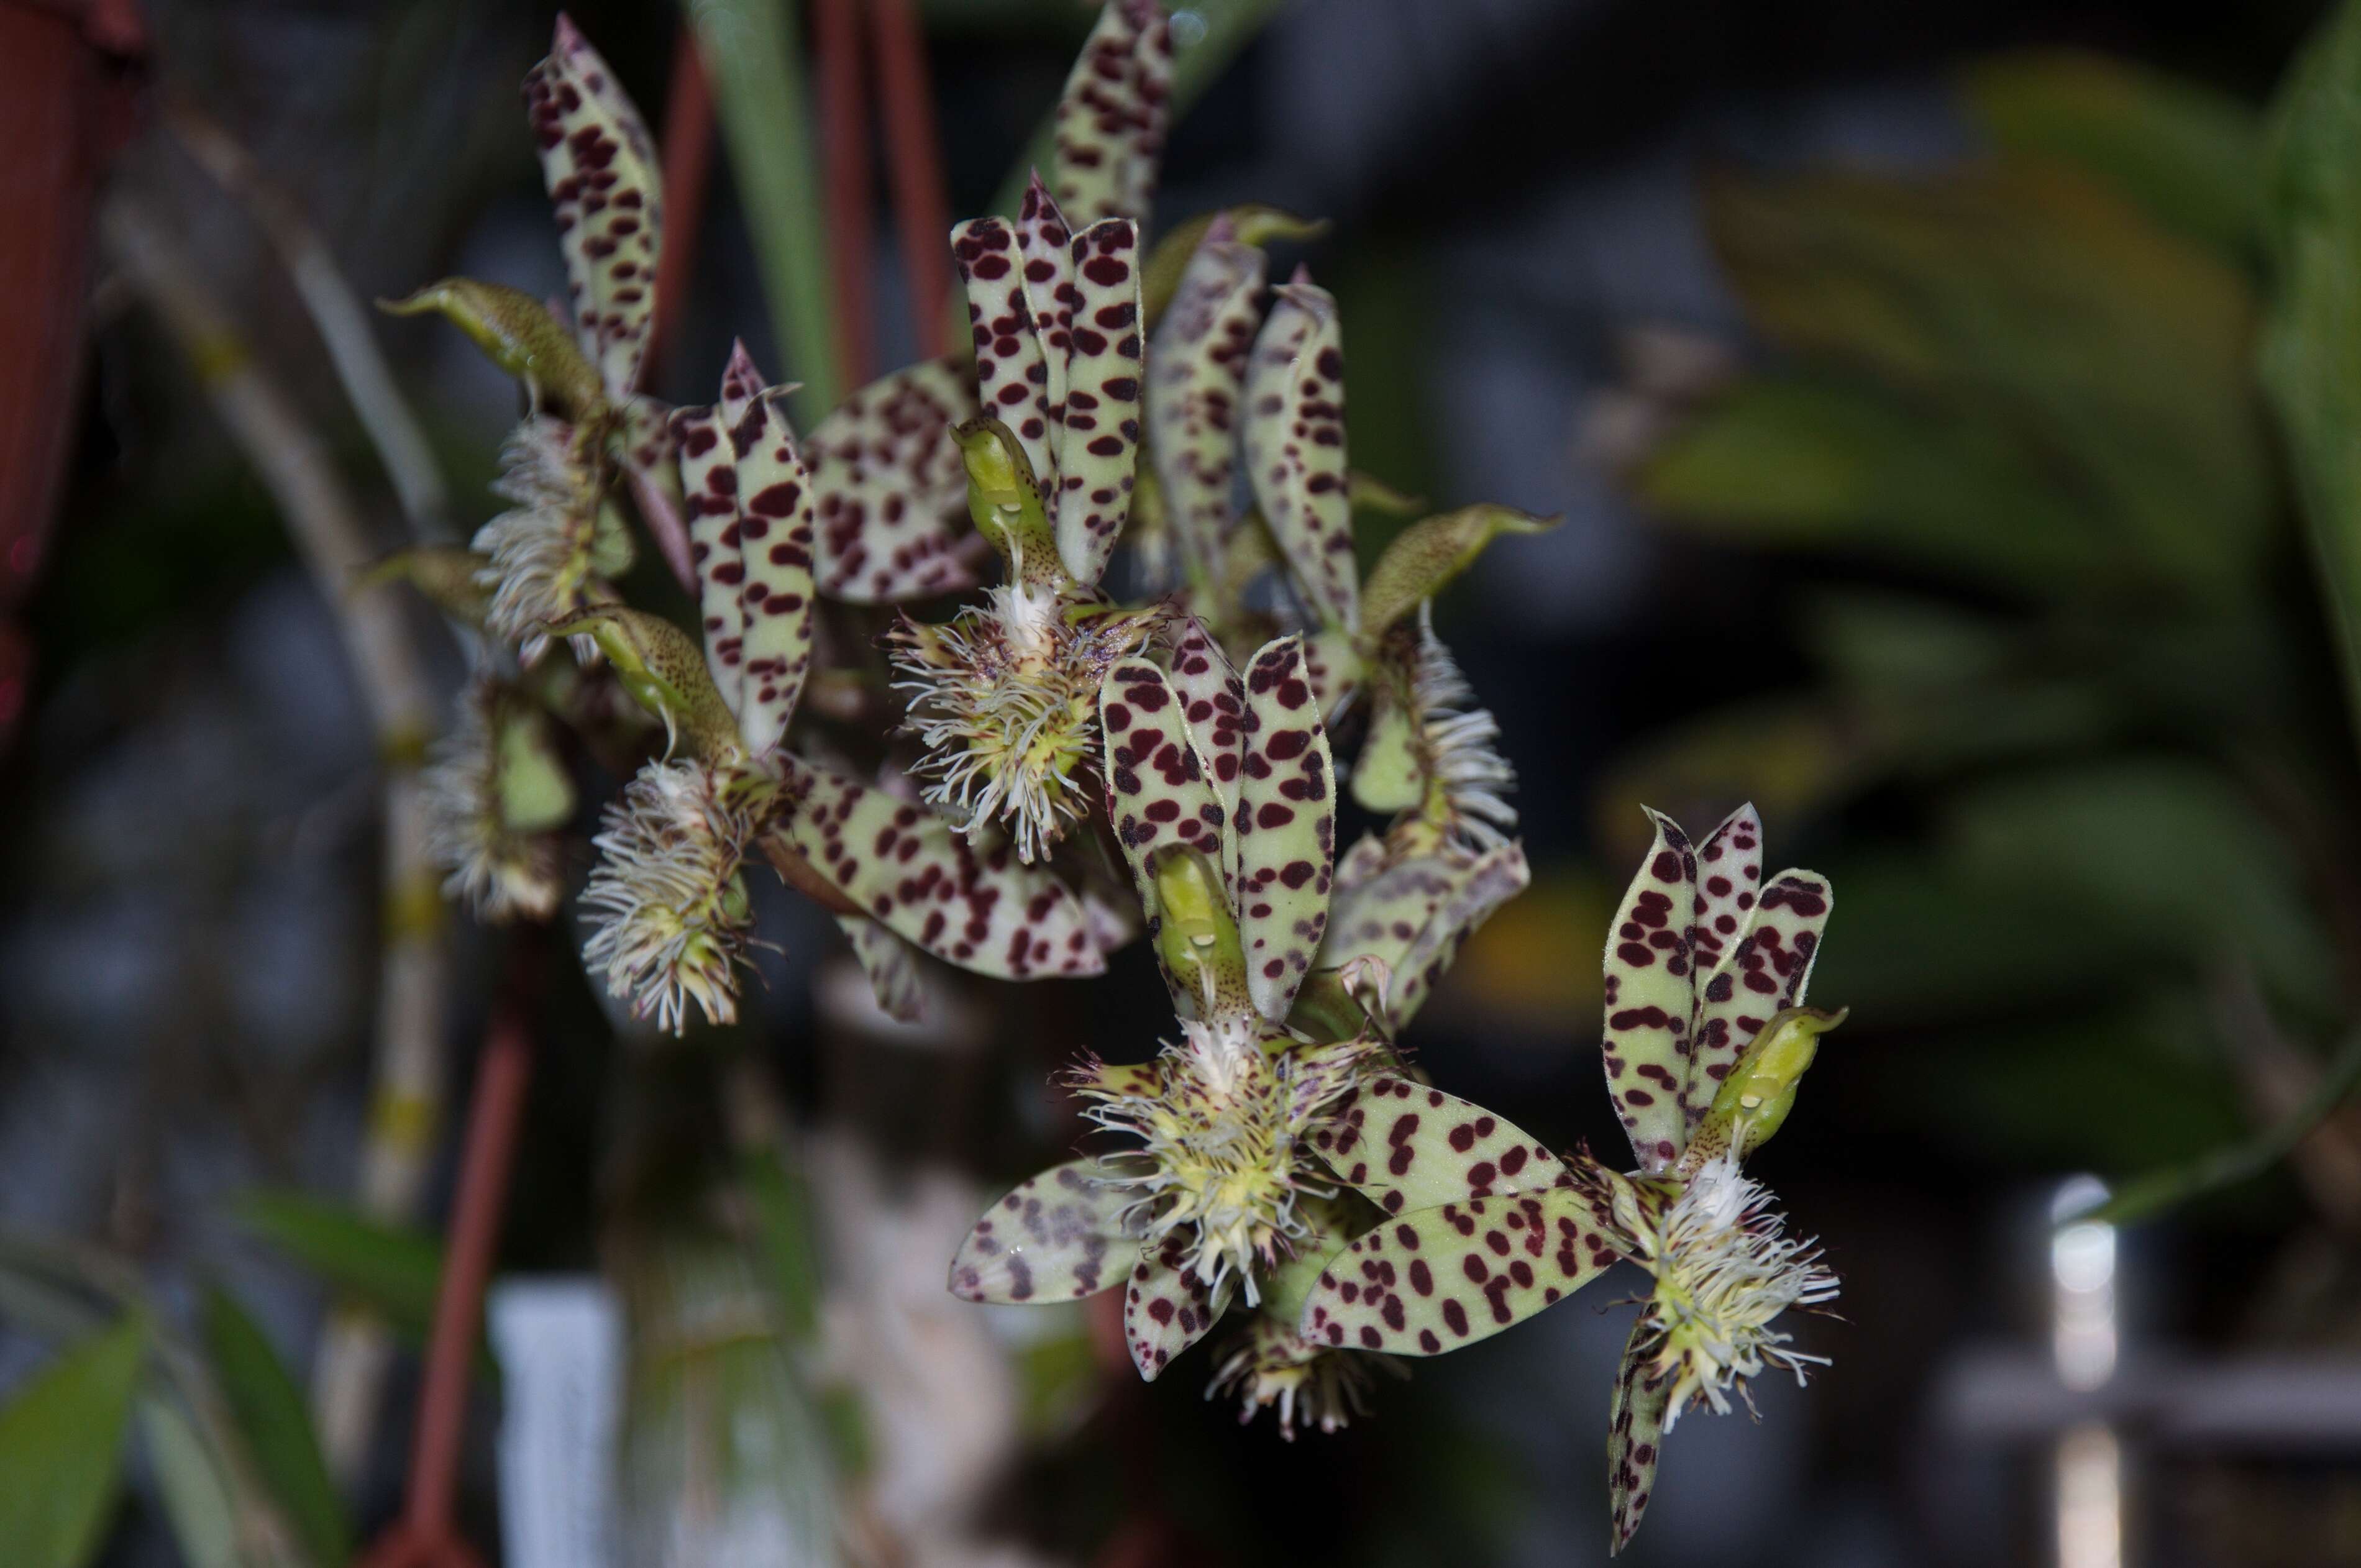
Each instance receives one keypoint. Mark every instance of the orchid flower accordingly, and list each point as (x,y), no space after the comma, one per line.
(1707,1037)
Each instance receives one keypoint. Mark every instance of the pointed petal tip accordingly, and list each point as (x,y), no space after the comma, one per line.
(564,36)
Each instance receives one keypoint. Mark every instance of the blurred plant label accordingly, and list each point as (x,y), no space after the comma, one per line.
(560,1345)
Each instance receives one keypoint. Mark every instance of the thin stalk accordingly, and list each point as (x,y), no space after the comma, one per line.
(325,523)
(750,59)
(344,324)
(922,208)
(687,170)
(844,112)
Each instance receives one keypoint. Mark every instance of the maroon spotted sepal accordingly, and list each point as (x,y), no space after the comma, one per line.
(982,910)
(1196,382)
(1286,827)
(1635,1431)
(1059,1236)
(1167,1309)
(601,171)
(890,488)
(1649,998)
(1111,117)
(1295,448)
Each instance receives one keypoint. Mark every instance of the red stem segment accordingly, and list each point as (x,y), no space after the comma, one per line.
(688,165)
(922,206)
(844,116)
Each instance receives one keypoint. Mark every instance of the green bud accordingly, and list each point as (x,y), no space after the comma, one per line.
(446,574)
(665,674)
(1196,936)
(516,332)
(536,792)
(1425,557)
(1004,500)
(1753,1101)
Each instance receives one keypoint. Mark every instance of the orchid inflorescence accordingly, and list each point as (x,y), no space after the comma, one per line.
(1279,1158)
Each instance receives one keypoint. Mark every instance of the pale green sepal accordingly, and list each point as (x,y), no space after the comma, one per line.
(516,332)
(664,672)
(1424,557)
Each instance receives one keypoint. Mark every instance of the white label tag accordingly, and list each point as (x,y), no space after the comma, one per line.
(560,1342)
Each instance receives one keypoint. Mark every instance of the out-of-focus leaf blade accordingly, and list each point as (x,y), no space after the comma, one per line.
(391,1268)
(196,1499)
(2311,337)
(1825,465)
(2030,297)
(2191,156)
(272,1416)
(62,1449)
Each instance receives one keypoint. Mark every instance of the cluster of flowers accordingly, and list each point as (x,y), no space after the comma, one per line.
(1280,1157)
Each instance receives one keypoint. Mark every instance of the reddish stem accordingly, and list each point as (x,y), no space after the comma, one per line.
(466,1266)
(922,215)
(844,114)
(688,164)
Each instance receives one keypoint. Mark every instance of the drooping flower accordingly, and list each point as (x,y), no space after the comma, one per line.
(551,554)
(1213,1186)
(494,793)
(1270,1366)
(1705,1040)
(668,907)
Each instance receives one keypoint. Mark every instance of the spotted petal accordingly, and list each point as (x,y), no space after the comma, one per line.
(1438,1278)
(1649,995)
(1635,1429)
(1406,1146)
(891,490)
(1295,448)
(1167,1309)
(1767,970)
(1160,790)
(601,171)
(980,909)
(1213,698)
(1479,887)
(1286,825)
(1729,873)
(1196,378)
(1098,447)
(891,965)
(708,475)
(1110,118)
(775,527)
(1045,246)
(1058,1237)
(1012,379)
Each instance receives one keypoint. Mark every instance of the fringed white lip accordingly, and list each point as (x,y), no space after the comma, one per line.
(1725,1271)
(671,915)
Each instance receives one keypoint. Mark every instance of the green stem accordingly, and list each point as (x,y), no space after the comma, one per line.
(759,95)
(2147,1196)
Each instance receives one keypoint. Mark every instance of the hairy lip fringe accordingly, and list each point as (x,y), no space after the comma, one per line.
(1310,1385)
(671,915)
(539,547)
(1005,700)
(1462,743)
(1725,1271)
(499,873)
(1224,1141)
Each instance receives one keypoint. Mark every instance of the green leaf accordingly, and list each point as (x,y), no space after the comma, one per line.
(2191,156)
(393,1269)
(2311,335)
(272,1416)
(2030,298)
(2159,1191)
(750,58)
(1826,466)
(1424,557)
(787,1238)
(62,1449)
(197,1498)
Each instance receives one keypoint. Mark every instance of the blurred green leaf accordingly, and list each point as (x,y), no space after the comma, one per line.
(2044,305)
(2158,1191)
(1794,757)
(62,1449)
(196,1499)
(787,1238)
(753,61)
(272,1416)
(2165,848)
(393,1269)
(2311,338)
(1824,465)
(2191,156)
